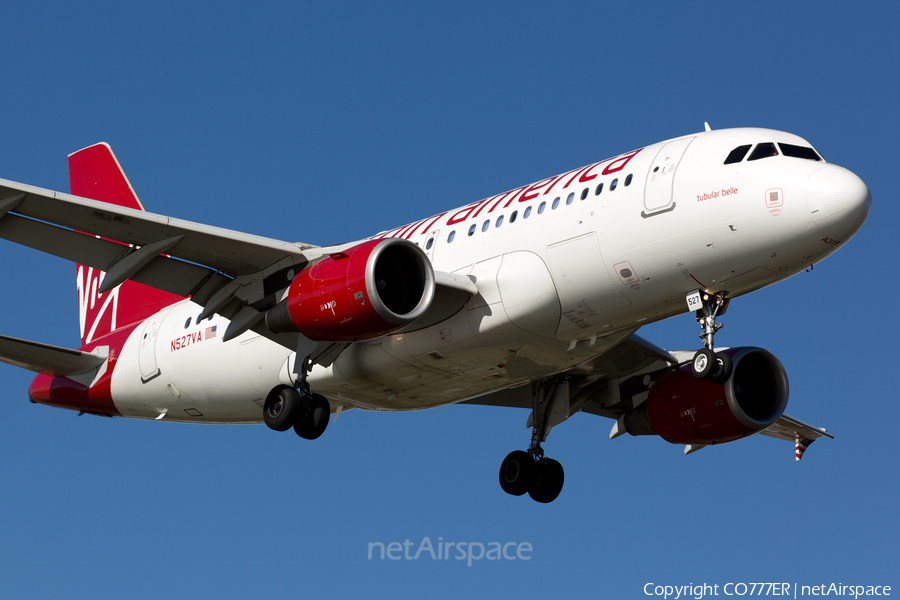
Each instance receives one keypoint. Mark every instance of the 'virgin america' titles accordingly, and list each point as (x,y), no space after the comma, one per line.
(523,194)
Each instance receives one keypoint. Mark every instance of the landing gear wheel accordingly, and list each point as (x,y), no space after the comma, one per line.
(724,367)
(281,407)
(313,418)
(548,481)
(516,472)
(704,363)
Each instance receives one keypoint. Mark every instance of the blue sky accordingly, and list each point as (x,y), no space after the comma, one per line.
(331,121)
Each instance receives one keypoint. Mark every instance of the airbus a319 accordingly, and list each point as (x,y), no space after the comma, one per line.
(530,298)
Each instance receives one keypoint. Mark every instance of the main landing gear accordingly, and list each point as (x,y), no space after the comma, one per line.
(297,407)
(542,478)
(707,363)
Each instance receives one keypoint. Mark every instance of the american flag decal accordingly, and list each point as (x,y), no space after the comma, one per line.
(210,332)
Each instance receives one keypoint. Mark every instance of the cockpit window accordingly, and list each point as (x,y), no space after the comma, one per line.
(737,155)
(799,151)
(764,150)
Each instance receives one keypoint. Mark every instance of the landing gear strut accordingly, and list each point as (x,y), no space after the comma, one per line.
(520,472)
(707,364)
(297,407)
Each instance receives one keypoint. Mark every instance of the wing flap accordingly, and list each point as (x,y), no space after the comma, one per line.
(46,359)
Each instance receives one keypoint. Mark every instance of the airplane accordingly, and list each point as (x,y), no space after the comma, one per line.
(529,298)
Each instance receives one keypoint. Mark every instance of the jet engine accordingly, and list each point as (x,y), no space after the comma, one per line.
(682,409)
(359,293)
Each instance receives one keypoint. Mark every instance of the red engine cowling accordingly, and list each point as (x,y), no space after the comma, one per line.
(361,293)
(684,410)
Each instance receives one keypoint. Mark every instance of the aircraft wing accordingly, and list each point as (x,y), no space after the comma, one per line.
(634,354)
(228,272)
(614,383)
(199,259)
(786,428)
(794,430)
(46,359)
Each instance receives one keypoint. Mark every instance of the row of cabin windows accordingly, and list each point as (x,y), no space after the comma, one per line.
(767,149)
(528,210)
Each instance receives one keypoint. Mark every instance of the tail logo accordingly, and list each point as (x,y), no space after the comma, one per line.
(92,306)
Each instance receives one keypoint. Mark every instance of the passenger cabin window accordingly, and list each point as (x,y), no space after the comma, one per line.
(472,230)
(799,151)
(612,186)
(764,150)
(737,155)
(512,217)
(527,212)
(429,244)
(451,236)
(628,180)
(598,190)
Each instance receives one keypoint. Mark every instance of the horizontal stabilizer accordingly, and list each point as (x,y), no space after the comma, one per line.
(46,359)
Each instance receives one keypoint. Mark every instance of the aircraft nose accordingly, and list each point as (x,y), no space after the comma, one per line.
(839,201)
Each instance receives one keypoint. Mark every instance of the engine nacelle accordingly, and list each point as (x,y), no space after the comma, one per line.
(360,293)
(684,410)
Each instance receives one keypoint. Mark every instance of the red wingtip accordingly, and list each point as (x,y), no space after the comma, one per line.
(95,173)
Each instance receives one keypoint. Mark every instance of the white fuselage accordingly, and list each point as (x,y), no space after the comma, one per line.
(559,282)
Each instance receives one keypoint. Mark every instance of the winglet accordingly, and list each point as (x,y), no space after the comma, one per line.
(802,434)
(800,445)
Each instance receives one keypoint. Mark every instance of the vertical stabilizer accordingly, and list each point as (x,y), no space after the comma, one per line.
(95,173)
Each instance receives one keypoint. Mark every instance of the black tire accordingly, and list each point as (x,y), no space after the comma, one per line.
(724,368)
(703,363)
(548,481)
(313,418)
(281,407)
(516,472)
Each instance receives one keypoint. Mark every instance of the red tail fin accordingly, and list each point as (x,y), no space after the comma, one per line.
(95,173)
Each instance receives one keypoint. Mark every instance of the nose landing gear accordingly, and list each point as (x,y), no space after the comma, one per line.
(298,407)
(707,363)
(520,472)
